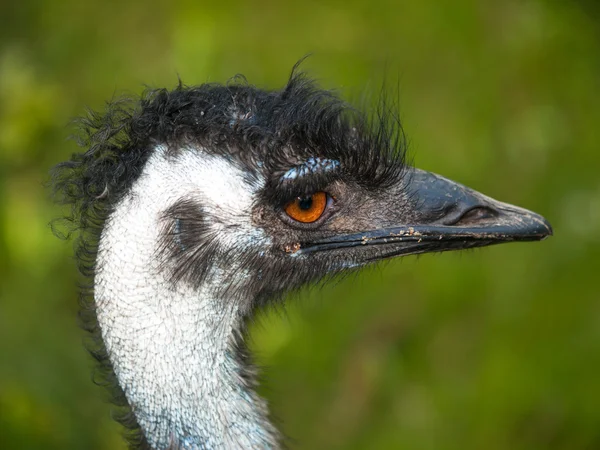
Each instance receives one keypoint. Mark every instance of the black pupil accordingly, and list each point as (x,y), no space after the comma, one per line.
(305,203)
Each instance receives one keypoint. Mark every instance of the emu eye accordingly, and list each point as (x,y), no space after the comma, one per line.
(307,209)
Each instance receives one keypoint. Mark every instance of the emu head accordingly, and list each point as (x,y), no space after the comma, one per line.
(267,191)
(198,203)
(261,192)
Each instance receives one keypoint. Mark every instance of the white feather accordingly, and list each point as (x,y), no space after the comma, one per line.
(171,345)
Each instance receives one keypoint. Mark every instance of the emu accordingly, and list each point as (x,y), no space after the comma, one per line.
(197,205)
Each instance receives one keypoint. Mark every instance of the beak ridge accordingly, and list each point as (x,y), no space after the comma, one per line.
(447,203)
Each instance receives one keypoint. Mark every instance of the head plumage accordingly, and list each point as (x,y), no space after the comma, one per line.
(268,131)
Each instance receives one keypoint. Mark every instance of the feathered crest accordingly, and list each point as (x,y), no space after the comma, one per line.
(275,130)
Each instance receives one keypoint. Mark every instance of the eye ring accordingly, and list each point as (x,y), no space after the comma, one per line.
(307,209)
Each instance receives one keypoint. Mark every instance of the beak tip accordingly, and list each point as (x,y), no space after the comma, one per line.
(536,227)
(548,230)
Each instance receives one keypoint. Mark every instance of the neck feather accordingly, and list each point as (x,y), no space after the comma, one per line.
(173,347)
(174,356)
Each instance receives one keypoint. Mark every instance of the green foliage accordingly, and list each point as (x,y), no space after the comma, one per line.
(494,349)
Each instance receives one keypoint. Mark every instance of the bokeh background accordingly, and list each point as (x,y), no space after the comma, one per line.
(491,349)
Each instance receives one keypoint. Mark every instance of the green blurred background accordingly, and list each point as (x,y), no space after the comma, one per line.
(491,349)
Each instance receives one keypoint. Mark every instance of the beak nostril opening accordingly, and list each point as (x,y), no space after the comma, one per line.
(475,215)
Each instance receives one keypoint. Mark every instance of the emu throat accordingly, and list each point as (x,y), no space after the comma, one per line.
(173,345)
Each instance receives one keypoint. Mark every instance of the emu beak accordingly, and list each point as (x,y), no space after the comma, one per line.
(446,216)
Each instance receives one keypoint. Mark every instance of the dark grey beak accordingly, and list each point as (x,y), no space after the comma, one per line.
(445,216)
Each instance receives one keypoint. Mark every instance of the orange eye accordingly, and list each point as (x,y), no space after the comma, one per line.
(307,209)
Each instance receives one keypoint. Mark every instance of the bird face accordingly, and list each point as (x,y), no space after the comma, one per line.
(345,225)
(259,192)
(272,230)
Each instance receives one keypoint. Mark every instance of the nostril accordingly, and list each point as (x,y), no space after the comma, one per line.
(475,215)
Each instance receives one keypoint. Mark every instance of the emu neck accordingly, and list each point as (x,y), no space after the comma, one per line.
(174,360)
(173,354)
(172,347)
